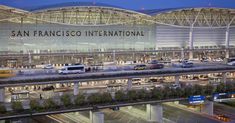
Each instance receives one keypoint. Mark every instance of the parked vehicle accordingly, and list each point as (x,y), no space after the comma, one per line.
(183,65)
(48,88)
(155,65)
(175,86)
(231,63)
(48,66)
(71,69)
(140,67)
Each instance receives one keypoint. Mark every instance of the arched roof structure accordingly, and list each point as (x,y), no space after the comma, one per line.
(96,14)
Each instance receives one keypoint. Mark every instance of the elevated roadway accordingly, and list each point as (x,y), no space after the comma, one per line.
(86,77)
(29,113)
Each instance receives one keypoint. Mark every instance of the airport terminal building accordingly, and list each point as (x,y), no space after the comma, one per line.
(92,33)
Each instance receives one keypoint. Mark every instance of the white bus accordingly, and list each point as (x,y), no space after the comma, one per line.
(72,69)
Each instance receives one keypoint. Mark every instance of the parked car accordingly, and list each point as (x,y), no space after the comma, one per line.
(183,65)
(231,63)
(140,67)
(175,86)
(48,88)
(154,64)
(48,66)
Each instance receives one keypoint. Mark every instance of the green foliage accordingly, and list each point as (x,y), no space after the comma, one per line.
(3,109)
(157,93)
(143,94)
(17,106)
(95,98)
(120,96)
(79,100)
(50,104)
(209,89)
(221,88)
(66,100)
(34,105)
(132,95)
(106,98)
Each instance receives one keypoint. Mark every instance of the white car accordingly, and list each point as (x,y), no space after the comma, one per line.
(231,63)
(218,60)
(48,66)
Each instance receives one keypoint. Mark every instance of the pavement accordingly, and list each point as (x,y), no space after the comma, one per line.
(184,115)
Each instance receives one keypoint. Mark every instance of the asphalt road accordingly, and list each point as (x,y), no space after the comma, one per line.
(225,110)
(183,116)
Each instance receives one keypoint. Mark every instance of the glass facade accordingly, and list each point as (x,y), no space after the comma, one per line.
(39,38)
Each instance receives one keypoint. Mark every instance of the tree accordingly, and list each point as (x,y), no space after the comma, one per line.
(209,89)
(49,104)
(120,96)
(95,98)
(66,100)
(198,90)
(34,105)
(3,109)
(132,95)
(143,94)
(17,106)
(188,91)
(157,93)
(221,88)
(106,98)
(79,100)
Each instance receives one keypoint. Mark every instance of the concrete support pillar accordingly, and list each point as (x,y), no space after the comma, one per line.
(224,77)
(113,95)
(227,53)
(96,117)
(177,79)
(227,37)
(57,85)
(227,40)
(75,88)
(129,84)
(190,54)
(2,94)
(182,53)
(155,113)
(191,40)
(208,108)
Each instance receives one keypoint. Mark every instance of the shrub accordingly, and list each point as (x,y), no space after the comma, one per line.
(66,100)
(34,105)
(132,95)
(49,104)
(120,96)
(79,100)
(17,106)
(3,109)
(157,93)
(95,98)
(106,98)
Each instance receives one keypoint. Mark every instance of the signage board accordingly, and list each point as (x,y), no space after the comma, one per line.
(197,99)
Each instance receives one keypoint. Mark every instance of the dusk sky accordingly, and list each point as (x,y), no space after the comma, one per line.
(129,4)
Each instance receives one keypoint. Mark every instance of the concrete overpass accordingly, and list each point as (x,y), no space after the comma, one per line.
(96,76)
(150,109)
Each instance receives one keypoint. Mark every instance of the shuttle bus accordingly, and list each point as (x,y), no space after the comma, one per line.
(72,69)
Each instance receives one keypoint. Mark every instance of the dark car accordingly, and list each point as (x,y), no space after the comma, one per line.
(156,66)
(48,88)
